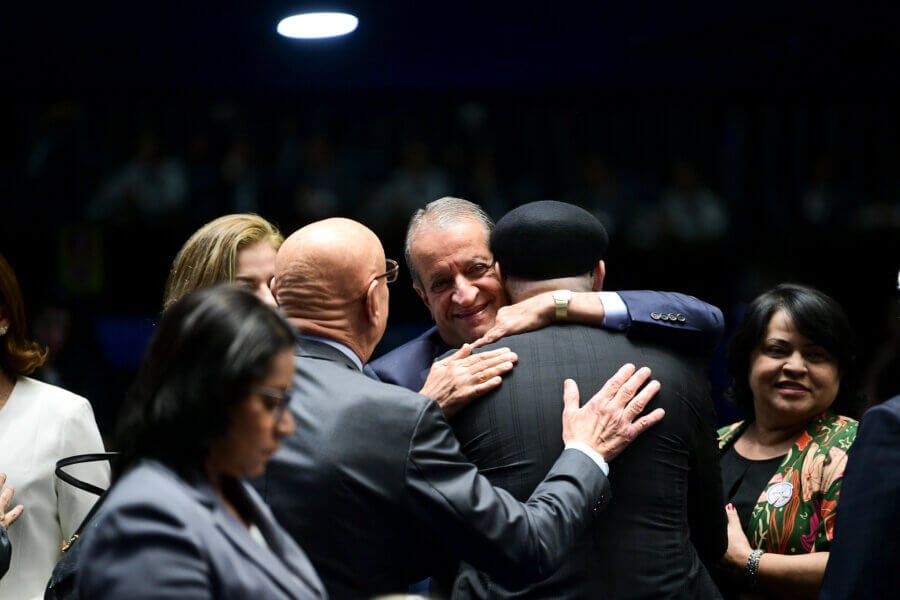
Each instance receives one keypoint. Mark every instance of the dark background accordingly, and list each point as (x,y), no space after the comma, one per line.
(787,115)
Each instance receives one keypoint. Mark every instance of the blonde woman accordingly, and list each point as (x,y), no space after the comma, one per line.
(238,247)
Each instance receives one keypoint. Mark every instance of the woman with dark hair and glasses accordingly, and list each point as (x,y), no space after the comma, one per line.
(207,409)
(792,367)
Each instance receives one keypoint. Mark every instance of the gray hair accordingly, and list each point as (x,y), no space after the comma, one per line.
(442,213)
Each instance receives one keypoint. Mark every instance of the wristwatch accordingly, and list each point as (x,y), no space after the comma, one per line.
(561,299)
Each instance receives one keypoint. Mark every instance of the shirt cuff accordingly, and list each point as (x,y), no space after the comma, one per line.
(615,313)
(592,454)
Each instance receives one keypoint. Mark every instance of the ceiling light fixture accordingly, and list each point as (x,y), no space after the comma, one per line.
(317,25)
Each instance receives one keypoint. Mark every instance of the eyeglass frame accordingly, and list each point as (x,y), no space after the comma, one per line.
(275,400)
(393,270)
(489,267)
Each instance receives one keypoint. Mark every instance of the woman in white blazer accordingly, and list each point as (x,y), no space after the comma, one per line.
(39,424)
(206,410)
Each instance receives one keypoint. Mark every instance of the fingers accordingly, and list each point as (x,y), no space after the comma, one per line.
(571,396)
(637,404)
(464,351)
(733,517)
(491,335)
(494,356)
(628,392)
(461,377)
(10,516)
(613,385)
(488,379)
(616,411)
(647,421)
(6,495)
(486,366)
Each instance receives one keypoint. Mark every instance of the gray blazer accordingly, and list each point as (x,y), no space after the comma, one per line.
(374,487)
(160,536)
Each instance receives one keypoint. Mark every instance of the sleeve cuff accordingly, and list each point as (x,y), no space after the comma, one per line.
(592,454)
(614,310)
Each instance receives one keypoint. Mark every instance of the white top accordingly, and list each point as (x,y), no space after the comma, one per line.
(40,424)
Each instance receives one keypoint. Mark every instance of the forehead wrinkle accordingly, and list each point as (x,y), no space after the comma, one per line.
(334,257)
(455,239)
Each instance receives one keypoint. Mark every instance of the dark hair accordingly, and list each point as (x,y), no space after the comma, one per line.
(204,356)
(816,316)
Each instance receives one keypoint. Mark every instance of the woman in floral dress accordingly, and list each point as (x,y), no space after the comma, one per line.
(792,367)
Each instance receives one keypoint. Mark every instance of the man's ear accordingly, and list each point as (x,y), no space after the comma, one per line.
(598,276)
(422,295)
(374,304)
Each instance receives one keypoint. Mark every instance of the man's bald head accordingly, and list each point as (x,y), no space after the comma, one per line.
(325,282)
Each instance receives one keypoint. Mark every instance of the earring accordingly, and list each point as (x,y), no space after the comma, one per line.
(3,330)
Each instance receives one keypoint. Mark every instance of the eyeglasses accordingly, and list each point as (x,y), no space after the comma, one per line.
(393,270)
(473,272)
(274,400)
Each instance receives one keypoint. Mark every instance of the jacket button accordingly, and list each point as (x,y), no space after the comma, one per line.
(655,316)
(681,318)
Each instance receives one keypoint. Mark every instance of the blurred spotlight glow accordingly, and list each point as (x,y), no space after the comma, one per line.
(310,26)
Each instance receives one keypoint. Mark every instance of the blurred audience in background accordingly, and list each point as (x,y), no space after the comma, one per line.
(208,156)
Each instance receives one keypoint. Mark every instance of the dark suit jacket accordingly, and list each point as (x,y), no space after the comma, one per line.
(159,536)
(863,560)
(372,484)
(666,511)
(5,550)
(681,320)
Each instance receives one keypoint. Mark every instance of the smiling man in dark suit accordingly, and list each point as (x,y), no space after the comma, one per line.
(448,254)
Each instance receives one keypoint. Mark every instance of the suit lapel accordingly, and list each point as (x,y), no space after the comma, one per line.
(238,536)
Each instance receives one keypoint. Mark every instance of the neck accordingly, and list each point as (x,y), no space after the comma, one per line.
(523,289)
(761,441)
(339,332)
(216,478)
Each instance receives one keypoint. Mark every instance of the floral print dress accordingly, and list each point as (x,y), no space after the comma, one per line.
(796,509)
